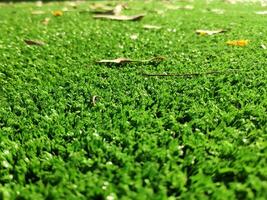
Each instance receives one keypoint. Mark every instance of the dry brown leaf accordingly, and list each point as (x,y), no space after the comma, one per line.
(34,42)
(209,32)
(45,21)
(120,17)
(57,13)
(147,26)
(261,12)
(38,12)
(239,43)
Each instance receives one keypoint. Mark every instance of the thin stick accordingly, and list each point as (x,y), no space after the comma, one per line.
(194,74)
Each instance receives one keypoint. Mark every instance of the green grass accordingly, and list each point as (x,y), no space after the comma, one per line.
(200,137)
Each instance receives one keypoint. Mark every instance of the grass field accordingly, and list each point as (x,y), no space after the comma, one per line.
(75,129)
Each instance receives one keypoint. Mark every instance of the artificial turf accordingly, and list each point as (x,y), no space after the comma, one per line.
(74,129)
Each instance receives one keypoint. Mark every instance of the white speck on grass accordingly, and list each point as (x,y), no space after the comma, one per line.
(5,164)
(6,152)
(109,163)
(105,184)
(134,36)
(111,197)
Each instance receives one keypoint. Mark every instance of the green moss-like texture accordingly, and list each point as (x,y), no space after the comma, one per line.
(199,137)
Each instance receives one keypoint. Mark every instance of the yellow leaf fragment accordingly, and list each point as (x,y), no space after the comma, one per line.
(239,43)
(263,46)
(57,13)
(209,32)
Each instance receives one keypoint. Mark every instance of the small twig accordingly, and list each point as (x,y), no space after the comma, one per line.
(194,74)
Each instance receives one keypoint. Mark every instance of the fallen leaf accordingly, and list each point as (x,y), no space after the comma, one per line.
(57,13)
(187,7)
(65,9)
(209,32)
(147,26)
(39,3)
(217,11)
(120,17)
(116,61)
(174,7)
(72,4)
(45,21)
(239,43)
(106,10)
(156,59)
(263,46)
(261,12)
(118,9)
(34,42)
(38,12)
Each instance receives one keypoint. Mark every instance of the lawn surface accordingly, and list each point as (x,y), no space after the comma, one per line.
(74,129)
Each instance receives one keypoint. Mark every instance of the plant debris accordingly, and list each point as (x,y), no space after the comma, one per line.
(217,11)
(45,21)
(34,42)
(209,32)
(174,7)
(156,59)
(147,26)
(261,12)
(94,100)
(263,46)
(134,36)
(239,43)
(57,13)
(107,10)
(193,74)
(120,17)
(38,12)
(116,61)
